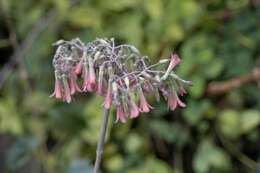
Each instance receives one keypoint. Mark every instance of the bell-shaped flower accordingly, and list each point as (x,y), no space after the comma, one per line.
(134,111)
(120,115)
(57,93)
(73,84)
(174,101)
(144,105)
(108,98)
(175,60)
(67,92)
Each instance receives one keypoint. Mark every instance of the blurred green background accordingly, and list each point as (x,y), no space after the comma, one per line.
(217,40)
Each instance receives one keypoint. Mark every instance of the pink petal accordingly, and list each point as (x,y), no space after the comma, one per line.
(134,111)
(120,115)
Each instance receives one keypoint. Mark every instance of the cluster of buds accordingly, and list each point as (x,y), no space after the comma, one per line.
(119,73)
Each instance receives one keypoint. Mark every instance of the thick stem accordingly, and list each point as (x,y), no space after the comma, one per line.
(101,141)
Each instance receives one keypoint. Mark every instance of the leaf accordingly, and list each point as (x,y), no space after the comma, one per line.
(133,142)
(198,87)
(249,120)
(195,111)
(209,156)
(84,17)
(154,8)
(229,123)
(114,163)
(118,5)
(21,152)
(10,120)
(153,165)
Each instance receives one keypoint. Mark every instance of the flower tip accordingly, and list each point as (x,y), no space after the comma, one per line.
(190,83)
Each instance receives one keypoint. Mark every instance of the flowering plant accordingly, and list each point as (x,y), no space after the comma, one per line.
(118,73)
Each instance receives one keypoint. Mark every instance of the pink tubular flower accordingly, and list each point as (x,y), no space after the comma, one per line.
(73,85)
(79,67)
(91,85)
(108,99)
(144,106)
(100,88)
(85,77)
(120,115)
(134,112)
(67,92)
(58,89)
(174,101)
(175,60)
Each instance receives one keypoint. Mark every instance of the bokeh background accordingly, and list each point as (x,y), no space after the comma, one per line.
(218,42)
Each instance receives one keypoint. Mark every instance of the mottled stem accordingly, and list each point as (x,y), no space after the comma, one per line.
(101,141)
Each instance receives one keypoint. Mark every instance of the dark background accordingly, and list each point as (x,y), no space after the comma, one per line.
(218,42)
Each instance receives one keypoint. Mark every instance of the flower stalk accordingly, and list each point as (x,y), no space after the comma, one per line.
(101,141)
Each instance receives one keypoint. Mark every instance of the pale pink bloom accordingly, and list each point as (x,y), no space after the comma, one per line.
(79,67)
(91,84)
(67,96)
(73,85)
(57,90)
(85,79)
(174,101)
(134,112)
(144,106)
(120,115)
(108,98)
(175,60)
(101,88)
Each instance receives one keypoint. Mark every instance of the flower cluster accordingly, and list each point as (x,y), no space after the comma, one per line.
(119,73)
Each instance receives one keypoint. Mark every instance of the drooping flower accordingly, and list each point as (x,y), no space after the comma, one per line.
(91,84)
(134,111)
(73,84)
(144,106)
(67,93)
(101,88)
(57,93)
(79,67)
(108,98)
(85,77)
(120,115)
(174,101)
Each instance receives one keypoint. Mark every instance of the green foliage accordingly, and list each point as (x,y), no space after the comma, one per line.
(216,40)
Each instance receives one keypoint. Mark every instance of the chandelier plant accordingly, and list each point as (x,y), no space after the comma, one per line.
(120,74)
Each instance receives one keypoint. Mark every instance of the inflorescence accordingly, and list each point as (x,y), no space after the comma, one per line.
(119,73)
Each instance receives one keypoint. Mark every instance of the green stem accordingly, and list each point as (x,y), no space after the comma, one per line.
(101,141)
